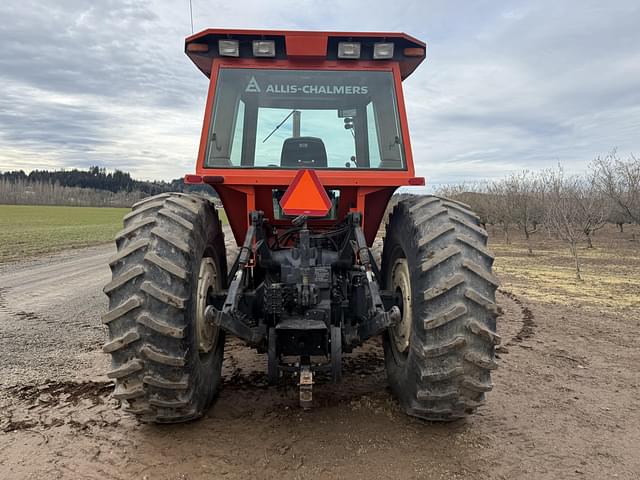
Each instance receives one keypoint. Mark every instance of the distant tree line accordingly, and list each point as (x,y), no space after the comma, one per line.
(24,192)
(570,207)
(99,179)
(92,187)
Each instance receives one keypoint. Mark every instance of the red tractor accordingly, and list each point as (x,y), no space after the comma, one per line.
(305,140)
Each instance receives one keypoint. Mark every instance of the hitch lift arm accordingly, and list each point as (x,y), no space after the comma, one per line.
(229,318)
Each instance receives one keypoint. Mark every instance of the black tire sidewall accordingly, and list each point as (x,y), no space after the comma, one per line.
(206,370)
(401,243)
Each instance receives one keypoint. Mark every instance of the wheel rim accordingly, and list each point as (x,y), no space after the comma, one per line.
(401,284)
(207,333)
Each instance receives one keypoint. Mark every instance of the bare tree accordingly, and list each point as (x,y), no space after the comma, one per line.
(620,181)
(618,216)
(592,206)
(561,214)
(523,193)
(500,208)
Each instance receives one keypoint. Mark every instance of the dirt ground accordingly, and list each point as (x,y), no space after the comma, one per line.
(565,402)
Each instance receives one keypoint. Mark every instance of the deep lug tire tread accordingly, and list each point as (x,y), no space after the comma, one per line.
(159,374)
(447,371)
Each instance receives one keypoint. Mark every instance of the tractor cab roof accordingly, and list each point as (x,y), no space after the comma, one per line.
(347,47)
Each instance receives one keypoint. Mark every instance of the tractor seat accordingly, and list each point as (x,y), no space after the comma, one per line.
(303,152)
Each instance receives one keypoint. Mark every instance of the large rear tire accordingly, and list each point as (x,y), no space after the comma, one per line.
(166,360)
(440,356)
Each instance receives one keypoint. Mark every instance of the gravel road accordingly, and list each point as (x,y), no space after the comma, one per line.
(565,402)
(50,308)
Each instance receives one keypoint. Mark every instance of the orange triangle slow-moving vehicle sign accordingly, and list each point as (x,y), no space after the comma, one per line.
(306,196)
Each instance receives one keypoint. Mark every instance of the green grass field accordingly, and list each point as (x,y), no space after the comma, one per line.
(30,230)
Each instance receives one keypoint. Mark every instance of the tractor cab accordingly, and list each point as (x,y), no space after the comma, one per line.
(280,102)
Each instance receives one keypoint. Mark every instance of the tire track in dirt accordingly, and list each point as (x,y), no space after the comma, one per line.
(525,321)
(76,404)
(16,314)
(82,404)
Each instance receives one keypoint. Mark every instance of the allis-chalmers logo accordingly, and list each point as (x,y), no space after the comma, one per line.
(253,86)
(284,88)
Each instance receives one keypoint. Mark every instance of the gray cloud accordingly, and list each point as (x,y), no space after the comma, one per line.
(507,85)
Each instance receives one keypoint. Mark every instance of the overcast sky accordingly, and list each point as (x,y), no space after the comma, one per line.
(506,85)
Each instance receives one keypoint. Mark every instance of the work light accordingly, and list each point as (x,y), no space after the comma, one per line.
(382,51)
(264,48)
(348,50)
(228,48)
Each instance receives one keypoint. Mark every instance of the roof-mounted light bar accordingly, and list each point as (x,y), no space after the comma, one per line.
(286,46)
(346,50)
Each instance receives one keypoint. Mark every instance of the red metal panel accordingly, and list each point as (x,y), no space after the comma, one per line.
(375,205)
(404,123)
(239,201)
(206,123)
(306,45)
(235,206)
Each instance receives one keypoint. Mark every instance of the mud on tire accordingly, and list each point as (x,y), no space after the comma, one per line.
(160,372)
(445,370)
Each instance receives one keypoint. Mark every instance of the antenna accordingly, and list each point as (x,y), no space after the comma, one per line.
(191,15)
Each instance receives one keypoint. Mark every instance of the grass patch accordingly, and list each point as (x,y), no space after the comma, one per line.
(223,216)
(30,230)
(609,273)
